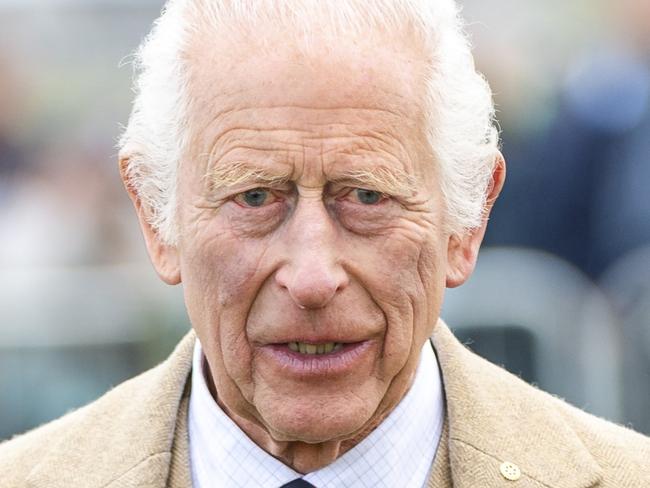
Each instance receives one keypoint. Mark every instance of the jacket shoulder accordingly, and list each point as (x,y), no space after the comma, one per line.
(499,416)
(98,443)
(622,453)
(19,455)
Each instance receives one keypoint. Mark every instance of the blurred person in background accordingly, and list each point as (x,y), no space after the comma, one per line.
(66,242)
(594,131)
(12,158)
(41,197)
(50,206)
(315,178)
(599,142)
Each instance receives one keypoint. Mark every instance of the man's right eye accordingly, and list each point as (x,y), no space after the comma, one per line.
(256,197)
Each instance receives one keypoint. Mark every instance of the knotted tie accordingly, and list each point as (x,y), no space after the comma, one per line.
(299,483)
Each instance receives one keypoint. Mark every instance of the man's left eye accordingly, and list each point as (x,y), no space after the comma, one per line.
(256,197)
(368,197)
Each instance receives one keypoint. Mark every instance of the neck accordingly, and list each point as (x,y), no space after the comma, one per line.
(300,456)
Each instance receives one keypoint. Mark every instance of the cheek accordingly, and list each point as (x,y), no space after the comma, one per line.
(221,267)
(402,269)
(221,278)
(404,274)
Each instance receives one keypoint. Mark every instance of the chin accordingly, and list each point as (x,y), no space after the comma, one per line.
(316,423)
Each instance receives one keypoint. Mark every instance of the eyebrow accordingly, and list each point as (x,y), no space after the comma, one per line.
(241,173)
(391,181)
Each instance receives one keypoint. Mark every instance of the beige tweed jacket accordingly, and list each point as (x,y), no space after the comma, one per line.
(499,432)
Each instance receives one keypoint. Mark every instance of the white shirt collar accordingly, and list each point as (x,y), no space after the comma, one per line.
(399,452)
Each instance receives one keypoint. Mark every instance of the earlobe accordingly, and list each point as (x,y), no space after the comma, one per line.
(164,257)
(462,250)
(462,253)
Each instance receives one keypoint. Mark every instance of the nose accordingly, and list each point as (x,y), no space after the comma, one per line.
(312,274)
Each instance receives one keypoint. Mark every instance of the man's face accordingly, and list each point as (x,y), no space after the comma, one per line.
(311,248)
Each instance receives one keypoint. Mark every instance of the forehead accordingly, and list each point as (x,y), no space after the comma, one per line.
(258,68)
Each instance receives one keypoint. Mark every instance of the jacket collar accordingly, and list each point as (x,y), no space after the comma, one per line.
(124,439)
(494,418)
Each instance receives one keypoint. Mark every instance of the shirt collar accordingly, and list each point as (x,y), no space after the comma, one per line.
(399,452)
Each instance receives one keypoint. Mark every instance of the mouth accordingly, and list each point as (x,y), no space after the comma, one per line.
(312,358)
(315,349)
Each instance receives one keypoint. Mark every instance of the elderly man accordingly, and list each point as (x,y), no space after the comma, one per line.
(316,173)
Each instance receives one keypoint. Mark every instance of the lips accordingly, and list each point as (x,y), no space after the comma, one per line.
(316,358)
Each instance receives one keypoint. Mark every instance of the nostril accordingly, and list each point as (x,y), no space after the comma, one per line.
(282,278)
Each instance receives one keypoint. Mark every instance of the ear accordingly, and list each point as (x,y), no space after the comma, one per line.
(164,257)
(462,250)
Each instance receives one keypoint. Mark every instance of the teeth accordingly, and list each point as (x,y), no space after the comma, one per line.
(305,348)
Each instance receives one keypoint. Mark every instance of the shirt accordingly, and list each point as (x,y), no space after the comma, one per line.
(398,452)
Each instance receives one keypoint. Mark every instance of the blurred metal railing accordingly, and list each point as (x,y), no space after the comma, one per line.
(564,320)
(69,334)
(627,282)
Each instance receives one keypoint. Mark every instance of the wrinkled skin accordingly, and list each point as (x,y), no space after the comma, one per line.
(307,255)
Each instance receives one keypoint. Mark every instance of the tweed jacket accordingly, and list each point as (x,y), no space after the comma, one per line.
(136,435)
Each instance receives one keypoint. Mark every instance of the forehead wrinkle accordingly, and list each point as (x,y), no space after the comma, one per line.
(229,152)
(235,103)
(221,132)
(239,173)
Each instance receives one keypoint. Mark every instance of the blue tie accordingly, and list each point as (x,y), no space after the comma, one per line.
(299,483)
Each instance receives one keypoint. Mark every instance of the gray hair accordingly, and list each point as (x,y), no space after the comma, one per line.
(461,131)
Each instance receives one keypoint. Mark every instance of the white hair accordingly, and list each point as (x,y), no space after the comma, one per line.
(460,130)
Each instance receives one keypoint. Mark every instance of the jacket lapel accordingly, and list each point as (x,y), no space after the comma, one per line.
(179,468)
(494,418)
(126,438)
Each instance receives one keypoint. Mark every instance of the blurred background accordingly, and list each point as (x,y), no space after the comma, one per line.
(561,294)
